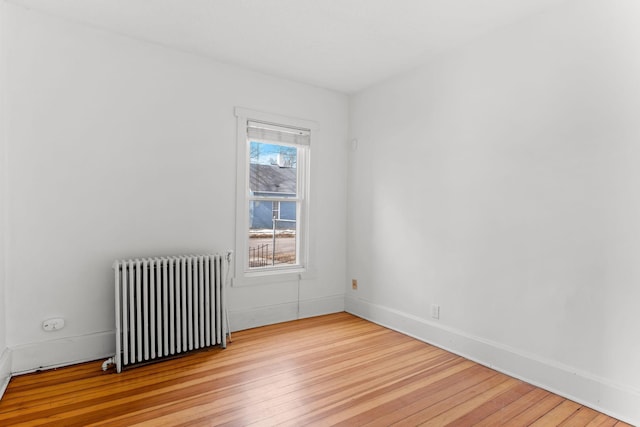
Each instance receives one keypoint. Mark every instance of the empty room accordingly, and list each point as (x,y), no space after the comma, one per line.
(279,212)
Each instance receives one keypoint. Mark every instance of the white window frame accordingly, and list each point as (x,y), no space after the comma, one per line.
(244,276)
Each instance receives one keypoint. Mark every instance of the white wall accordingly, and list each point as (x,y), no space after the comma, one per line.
(5,363)
(500,182)
(121,148)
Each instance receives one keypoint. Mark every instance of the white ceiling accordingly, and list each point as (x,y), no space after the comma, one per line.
(344,45)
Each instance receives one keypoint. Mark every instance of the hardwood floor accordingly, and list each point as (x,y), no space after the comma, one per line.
(330,370)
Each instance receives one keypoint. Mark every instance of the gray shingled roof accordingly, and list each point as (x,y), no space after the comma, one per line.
(272,178)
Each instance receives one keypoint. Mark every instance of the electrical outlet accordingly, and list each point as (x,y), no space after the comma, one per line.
(435,311)
(53,324)
(354,284)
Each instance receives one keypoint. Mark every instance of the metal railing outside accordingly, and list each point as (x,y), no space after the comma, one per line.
(259,256)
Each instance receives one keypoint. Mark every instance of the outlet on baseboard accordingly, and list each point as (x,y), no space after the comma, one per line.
(435,311)
(354,284)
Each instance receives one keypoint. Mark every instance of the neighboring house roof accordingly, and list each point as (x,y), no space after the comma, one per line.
(272,179)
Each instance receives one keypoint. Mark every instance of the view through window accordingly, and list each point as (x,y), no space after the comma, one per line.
(275,197)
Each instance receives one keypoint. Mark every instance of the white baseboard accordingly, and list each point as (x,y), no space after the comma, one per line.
(5,370)
(322,306)
(252,318)
(68,351)
(62,352)
(616,400)
(261,316)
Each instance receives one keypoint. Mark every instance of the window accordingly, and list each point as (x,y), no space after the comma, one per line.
(273,159)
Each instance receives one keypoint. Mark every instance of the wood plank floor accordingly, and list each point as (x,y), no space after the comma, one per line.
(329,370)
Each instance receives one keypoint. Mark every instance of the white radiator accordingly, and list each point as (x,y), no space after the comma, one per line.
(168,306)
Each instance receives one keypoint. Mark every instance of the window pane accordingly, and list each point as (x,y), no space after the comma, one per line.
(273,170)
(272,241)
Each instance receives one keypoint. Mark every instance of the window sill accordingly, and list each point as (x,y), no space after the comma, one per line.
(256,278)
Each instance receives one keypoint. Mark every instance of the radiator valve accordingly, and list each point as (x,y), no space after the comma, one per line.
(110,361)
